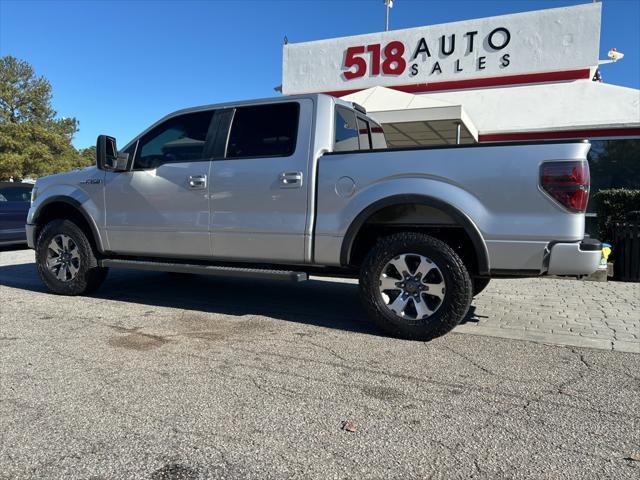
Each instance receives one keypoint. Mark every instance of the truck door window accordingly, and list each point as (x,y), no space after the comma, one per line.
(15,194)
(377,136)
(131,151)
(179,139)
(264,131)
(363,130)
(346,137)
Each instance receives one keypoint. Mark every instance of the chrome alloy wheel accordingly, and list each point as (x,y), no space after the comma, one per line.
(63,257)
(412,286)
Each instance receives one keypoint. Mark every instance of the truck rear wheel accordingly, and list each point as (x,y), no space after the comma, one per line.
(415,286)
(65,260)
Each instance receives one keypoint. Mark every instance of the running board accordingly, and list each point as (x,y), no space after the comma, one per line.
(213,270)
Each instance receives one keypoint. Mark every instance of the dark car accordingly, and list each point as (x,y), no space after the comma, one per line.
(15,199)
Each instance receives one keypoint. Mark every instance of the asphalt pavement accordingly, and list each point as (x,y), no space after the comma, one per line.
(160,376)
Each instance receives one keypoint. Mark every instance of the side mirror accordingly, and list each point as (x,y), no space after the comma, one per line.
(107,157)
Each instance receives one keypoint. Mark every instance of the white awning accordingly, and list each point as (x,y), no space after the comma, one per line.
(577,105)
(414,120)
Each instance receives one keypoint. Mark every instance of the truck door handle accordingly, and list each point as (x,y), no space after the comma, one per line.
(197,182)
(291,179)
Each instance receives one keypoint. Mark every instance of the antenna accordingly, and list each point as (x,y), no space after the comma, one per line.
(388,4)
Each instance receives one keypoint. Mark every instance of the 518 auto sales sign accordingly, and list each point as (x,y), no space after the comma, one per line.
(555,40)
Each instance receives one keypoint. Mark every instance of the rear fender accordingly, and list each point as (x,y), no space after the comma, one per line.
(450,199)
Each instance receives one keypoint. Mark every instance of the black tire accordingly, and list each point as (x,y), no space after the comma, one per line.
(454,305)
(479,284)
(89,275)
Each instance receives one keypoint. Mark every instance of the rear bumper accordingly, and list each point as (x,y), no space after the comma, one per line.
(578,258)
(31,235)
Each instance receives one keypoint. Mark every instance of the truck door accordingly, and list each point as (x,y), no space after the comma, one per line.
(260,184)
(161,206)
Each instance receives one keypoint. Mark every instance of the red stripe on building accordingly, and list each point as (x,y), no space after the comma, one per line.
(563,134)
(483,82)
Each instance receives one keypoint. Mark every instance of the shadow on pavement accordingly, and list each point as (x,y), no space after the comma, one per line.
(324,303)
(327,304)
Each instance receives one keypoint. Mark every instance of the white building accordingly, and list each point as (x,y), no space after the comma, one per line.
(526,76)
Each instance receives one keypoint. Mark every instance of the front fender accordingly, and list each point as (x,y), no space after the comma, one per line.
(74,196)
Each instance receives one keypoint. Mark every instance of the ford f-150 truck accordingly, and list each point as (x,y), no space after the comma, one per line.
(287,187)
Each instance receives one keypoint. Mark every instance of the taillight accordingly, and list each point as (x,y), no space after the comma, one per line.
(567,182)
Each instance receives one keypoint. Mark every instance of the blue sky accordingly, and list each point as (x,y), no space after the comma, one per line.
(118,66)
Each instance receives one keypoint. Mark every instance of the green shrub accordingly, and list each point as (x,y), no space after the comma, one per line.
(614,205)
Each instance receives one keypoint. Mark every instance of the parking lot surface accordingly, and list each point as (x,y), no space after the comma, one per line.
(183,377)
(603,315)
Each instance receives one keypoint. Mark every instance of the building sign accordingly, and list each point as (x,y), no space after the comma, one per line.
(555,40)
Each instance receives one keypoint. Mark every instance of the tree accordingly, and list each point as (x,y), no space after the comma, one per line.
(615,164)
(88,154)
(33,142)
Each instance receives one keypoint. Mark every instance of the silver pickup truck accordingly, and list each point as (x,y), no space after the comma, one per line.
(292,186)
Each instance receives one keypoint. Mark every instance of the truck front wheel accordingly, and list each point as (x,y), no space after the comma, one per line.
(414,286)
(65,260)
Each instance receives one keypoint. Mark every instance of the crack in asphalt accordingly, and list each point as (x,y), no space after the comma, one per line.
(491,372)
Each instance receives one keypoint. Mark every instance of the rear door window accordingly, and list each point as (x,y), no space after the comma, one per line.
(346,137)
(264,131)
(363,134)
(377,136)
